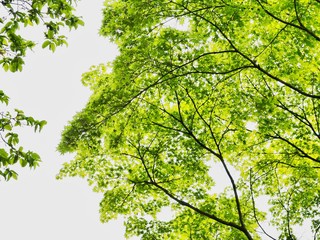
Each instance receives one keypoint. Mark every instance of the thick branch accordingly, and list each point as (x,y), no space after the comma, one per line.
(300,26)
(302,119)
(254,207)
(211,216)
(219,155)
(302,153)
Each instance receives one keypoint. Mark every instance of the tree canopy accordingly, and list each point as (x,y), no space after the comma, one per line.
(15,14)
(199,86)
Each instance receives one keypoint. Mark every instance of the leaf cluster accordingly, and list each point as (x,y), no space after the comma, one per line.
(53,15)
(10,151)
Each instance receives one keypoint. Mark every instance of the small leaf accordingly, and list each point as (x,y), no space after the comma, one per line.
(23,162)
(52,46)
(3,154)
(46,44)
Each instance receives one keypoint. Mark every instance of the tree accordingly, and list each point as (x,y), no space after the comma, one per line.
(200,85)
(13,47)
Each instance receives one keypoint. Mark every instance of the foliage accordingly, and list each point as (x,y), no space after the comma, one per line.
(53,15)
(200,85)
(11,153)
(16,13)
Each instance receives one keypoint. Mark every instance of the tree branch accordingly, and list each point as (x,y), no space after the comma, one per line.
(252,61)
(300,26)
(254,206)
(302,153)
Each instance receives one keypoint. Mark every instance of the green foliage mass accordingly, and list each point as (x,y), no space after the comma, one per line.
(53,15)
(20,13)
(200,85)
(10,151)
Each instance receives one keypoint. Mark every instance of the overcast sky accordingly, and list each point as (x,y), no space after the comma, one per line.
(38,206)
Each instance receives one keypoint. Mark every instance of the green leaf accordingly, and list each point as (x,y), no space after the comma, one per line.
(14,175)
(46,43)
(52,46)
(3,154)
(6,66)
(7,127)
(23,162)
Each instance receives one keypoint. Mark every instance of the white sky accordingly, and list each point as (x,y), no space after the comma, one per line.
(37,206)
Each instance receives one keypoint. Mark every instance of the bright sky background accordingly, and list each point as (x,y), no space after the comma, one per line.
(37,206)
